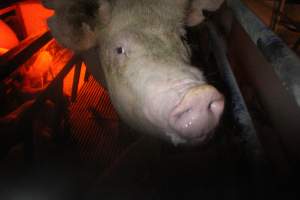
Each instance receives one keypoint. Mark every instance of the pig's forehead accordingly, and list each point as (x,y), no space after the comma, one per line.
(151,39)
(143,14)
(141,34)
(156,46)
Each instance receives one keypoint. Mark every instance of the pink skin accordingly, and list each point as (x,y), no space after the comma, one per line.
(168,99)
(198,113)
(188,112)
(150,81)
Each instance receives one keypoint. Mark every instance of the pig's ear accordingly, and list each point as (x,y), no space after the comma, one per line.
(104,12)
(75,23)
(195,10)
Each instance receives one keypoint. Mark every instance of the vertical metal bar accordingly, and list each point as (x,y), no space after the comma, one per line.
(274,101)
(76,81)
(93,65)
(284,61)
(86,75)
(240,111)
(274,16)
(278,7)
(55,91)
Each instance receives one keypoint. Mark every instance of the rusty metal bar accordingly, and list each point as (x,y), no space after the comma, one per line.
(284,61)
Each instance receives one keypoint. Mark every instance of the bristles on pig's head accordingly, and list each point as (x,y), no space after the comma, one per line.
(74,21)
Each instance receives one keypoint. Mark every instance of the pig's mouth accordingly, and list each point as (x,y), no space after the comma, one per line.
(195,117)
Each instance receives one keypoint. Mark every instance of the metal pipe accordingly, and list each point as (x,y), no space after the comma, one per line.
(284,61)
(281,110)
(240,110)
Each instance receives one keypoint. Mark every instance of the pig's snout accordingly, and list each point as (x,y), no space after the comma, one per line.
(198,113)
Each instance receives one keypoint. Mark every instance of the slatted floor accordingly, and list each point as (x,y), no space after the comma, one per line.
(95,127)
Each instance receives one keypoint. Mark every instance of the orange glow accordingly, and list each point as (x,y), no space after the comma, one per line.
(34,16)
(40,71)
(42,68)
(3,51)
(8,38)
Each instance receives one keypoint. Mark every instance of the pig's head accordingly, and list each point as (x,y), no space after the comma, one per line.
(146,65)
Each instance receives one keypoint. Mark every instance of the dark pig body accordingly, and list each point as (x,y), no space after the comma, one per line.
(146,65)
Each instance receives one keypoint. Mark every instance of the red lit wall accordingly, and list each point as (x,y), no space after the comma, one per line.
(8,38)
(34,16)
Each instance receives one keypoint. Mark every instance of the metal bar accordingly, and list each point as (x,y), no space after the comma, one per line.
(59,77)
(55,87)
(76,81)
(7,10)
(86,75)
(284,61)
(93,65)
(252,145)
(10,61)
(282,110)
(274,16)
(247,62)
(59,108)
(278,7)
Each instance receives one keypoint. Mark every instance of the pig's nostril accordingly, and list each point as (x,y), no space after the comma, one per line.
(181,114)
(198,113)
(216,106)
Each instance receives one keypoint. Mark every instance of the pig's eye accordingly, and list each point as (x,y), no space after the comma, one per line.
(120,50)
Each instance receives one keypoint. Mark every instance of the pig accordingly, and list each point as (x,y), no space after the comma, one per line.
(196,8)
(150,80)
